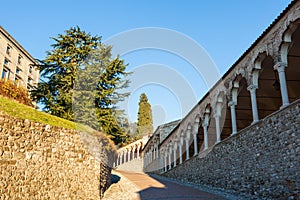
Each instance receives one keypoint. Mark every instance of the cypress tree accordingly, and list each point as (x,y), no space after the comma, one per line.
(145,123)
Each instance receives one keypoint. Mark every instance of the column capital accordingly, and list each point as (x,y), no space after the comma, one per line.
(217,115)
(187,139)
(196,125)
(204,124)
(252,88)
(280,66)
(175,146)
(232,103)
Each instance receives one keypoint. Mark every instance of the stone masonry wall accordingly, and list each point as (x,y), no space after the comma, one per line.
(135,165)
(42,162)
(261,161)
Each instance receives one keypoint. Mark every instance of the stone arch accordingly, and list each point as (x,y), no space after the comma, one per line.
(136,150)
(243,105)
(182,143)
(189,136)
(266,78)
(290,57)
(125,158)
(141,147)
(200,135)
(128,154)
(175,146)
(132,151)
(170,155)
(225,115)
(211,125)
(120,154)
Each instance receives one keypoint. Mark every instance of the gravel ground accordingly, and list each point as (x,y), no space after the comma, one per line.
(121,189)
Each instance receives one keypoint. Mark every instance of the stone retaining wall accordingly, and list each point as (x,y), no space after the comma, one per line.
(135,165)
(42,162)
(261,161)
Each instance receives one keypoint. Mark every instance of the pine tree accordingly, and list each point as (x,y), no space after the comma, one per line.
(59,70)
(82,80)
(145,122)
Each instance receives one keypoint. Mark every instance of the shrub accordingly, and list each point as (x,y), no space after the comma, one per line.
(10,90)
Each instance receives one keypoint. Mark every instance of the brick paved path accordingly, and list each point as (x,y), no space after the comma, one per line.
(149,188)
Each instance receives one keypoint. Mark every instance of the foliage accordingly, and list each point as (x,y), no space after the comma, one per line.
(10,90)
(82,80)
(145,122)
(96,92)
(59,70)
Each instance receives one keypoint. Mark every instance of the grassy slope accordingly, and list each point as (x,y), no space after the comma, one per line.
(15,109)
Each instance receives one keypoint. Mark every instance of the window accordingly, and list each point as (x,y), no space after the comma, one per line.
(30,69)
(19,59)
(18,71)
(6,62)
(8,50)
(5,74)
(29,80)
(17,81)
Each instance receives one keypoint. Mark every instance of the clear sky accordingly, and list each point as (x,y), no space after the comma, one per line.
(224,29)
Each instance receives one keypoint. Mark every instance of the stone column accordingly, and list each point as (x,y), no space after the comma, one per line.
(150,156)
(170,161)
(153,154)
(217,116)
(146,159)
(252,89)
(180,149)
(187,145)
(232,105)
(174,156)
(128,154)
(280,67)
(133,150)
(205,125)
(138,152)
(195,134)
(218,132)
(165,156)
(124,156)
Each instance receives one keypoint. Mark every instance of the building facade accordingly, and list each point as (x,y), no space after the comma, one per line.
(263,81)
(17,64)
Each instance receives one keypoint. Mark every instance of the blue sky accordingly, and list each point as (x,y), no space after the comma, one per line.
(224,29)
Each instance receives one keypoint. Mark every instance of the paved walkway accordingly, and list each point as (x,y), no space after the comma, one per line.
(139,186)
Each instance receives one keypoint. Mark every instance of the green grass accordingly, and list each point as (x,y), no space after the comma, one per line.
(15,109)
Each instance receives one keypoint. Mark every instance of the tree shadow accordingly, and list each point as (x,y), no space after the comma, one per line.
(172,190)
(114,178)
